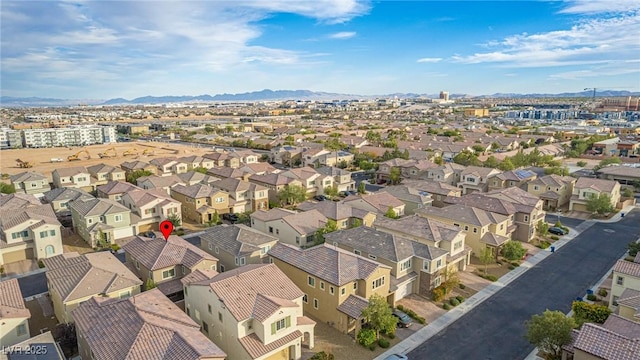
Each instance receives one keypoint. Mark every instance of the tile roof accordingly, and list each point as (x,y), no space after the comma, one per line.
(272,179)
(494,239)
(11,302)
(464,214)
(157,253)
(332,171)
(254,346)
(353,306)
(103,168)
(630,298)
(434,187)
(272,214)
(336,210)
(306,222)
(380,200)
(18,210)
(621,171)
(76,276)
(142,197)
(160,181)
(600,185)
(93,206)
(481,201)
(225,172)
(145,326)
(116,187)
(605,342)
(194,177)
(66,193)
(627,268)
(196,191)
(408,193)
(27,176)
(419,227)
(17,200)
(135,165)
(237,239)
(326,262)
(70,171)
(553,180)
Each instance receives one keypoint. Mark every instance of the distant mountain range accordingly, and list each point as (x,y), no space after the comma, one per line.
(265,95)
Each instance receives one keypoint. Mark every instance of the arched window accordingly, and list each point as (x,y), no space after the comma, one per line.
(49,250)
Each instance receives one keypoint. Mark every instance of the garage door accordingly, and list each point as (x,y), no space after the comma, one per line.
(280,355)
(17,255)
(404,290)
(147,227)
(121,233)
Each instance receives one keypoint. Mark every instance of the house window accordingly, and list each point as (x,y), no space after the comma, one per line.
(501,226)
(316,303)
(620,280)
(125,294)
(49,250)
(270,229)
(466,228)
(331,290)
(221,268)
(168,273)
(220,316)
(118,218)
(438,263)
(265,249)
(210,246)
(197,314)
(535,187)
(357,252)
(355,286)
(475,230)
(344,222)
(343,291)
(237,261)
(457,245)
(526,218)
(425,265)
(277,231)
(242,261)
(321,285)
(43,234)
(377,283)
(298,240)
(311,281)
(89,221)
(456,225)
(217,250)
(205,327)
(21,329)
(437,281)
(52,233)
(305,298)
(219,200)
(405,265)
(373,257)
(208,307)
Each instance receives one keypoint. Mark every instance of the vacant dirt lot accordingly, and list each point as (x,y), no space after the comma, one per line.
(40,158)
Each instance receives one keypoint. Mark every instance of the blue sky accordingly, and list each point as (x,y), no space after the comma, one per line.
(106,49)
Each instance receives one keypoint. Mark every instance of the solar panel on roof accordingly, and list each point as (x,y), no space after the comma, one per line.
(423,193)
(523,173)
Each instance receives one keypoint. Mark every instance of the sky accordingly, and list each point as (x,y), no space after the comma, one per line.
(107,49)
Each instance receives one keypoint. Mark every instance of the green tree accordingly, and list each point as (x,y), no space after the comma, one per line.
(134,175)
(438,160)
(215,220)
(395,176)
(491,162)
(581,163)
(292,195)
(633,248)
(331,191)
(175,219)
(391,214)
(329,227)
(543,228)
(479,149)
(486,257)
(513,250)
(600,204)
(562,171)
(373,137)
(584,312)
(355,223)
(7,188)
(506,165)
(379,316)
(200,169)
(627,192)
(366,337)
(150,284)
(362,188)
(550,332)
(451,280)
(609,161)
(466,158)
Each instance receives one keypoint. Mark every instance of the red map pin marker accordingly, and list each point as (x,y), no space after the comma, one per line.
(166,227)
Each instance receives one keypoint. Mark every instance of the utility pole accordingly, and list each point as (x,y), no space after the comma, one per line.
(594,92)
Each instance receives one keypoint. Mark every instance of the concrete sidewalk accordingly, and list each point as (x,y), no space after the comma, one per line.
(447,319)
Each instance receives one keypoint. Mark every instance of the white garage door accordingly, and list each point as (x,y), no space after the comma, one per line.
(122,233)
(404,290)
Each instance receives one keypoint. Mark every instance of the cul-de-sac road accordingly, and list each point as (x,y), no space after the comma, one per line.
(495,328)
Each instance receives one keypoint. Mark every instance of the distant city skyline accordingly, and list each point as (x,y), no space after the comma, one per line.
(100,50)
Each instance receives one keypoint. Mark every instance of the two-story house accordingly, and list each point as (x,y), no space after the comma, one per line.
(131,166)
(159,182)
(415,267)
(102,174)
(341,178)
(195,161)
(411,197)
(30,183)
(14,327)
(475,178)
(513,178)
(150,207)
(343,214)
(169,166)
(100,222)
(585,188)
(76,176)
(384,168)
(253,312)
(73,278)
(114,190)
(625,288)
(144,326)
(236,245)
(28,229)
(290,227)
(625,175)
(200,202)
(274,183)
(438,190)
(194,177)
(60,198)
(245,156)
(311,180)
(164,262)
(448,173)
(379,202)
(246,196)
(336,283)
(554,190)
(485,229)
(618,338)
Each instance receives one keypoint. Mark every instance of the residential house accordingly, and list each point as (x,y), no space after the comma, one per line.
(246,196)
(76,176)
(236,245)
(438,190)
(114,190)
(245,156)
(289,227)
(169,166)
(625,288)
(379,202)
(222,159)
(253,312)
(101,221)
(311,180)
(411,197)
(227,173)
(586,188)
(131,166)
(102,174)
(30,183)
(341,178)
(343,214)
(150,207)
(385,168)
(145,326)
(286,155)
(159,182)
(274,183)
(625,175)
(73,278)
(336,283)
(554,190)
(448,173)
(485,229)
(475,178)
(409,169)
(28,229)
(195,161)
(194,177)
(518,178)
(200,202)
(257,168)
(43,341)
(164,262)
(415,267)
(14,327)
(60,198)
(326,158)
(617,339)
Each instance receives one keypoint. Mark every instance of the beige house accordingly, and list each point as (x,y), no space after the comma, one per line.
(448,173)
(412,198)
(415,267)
(379,202)
(76,176)
(28,229)
(617,339)
(336,283)
(131,166)
(341,178)
(475,178)
(314,182)
(625,289)
(144,326)
(343,214)
(150,207)
(236,245)
(194,177)
(14,315)
(195,161)
(101,221)
(586,188)
(200,203)
(61,197)
(159,182)
(483,228)
(554,190)
(513,178)
(438,190)
(253,312)
(30,183)
(73,278)
(246,196)
(165,262)
(290,227)
(169,166)
(102,174)
(114,190)
(274,183)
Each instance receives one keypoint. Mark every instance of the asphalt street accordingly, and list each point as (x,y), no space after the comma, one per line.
(551,218)
(359,176)
(495,329)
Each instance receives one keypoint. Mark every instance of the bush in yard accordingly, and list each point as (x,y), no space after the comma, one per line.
(581,163)
(513,250)
(437,294)
(462,286)
(367,337)
(554,237)
(446,306)
(602,292)
(390,336)
(454,302)
(115,247)
(400,307)
(372,347)
(460,298)
(591,297)
(40,264)
(322,356)
(383,343)
(511,267)
(515,263)
(585,312)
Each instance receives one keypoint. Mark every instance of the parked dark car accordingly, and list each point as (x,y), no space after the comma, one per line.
(557,230)
(403,319)
(344,193)
(149,234)
(320,198)
(230,217)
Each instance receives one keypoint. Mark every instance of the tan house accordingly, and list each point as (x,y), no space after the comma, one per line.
(343,214)
(415,267)
(438,190)
(165,262)
(14,315)
(246,196)
(274,183)
(411,197)
(73,278)
(169,166)
(253,312)
(625,175)
(290,227)
(379,202)
(115,189)
(341,178)
(102,174)
(236,245)
(475,178)
(150,207)
(513,178)
(76,176)
(131,166)
(617,339)
(159,182)
(30,183)
(200,203)
(336,283)
(194,177)
(448,173)
(586,188)
(314,182)
(145,326)
(625,289)
(554,190)
(101,221)
(195,161)
(28,229)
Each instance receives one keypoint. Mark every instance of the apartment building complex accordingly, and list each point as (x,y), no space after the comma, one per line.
(54,137)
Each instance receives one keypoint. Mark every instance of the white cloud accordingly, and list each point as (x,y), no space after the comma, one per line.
(599,6)
(429,60)
(343,35)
